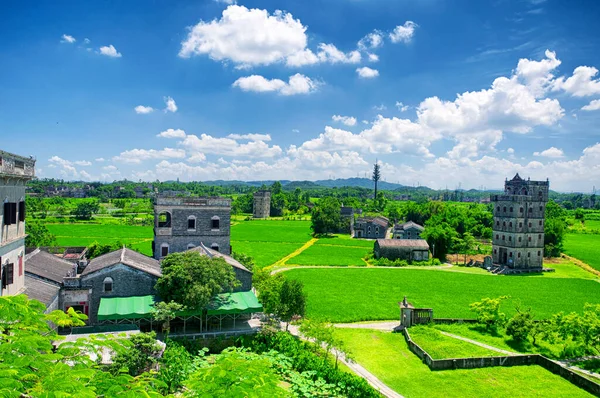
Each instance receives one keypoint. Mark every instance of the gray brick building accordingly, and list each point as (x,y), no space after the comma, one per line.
(408,230)
(242,274)
(262,204)
(518,230)
(371,227)
(182,223)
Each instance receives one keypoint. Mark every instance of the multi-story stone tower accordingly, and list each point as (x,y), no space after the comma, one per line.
(181,223)
(262,204)
(15,171)
(518,230)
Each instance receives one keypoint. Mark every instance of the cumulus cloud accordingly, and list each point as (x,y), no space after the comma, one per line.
(510,151)
(99,160)
(367,73)
(141,109)
(371,41)
(551,152)
(592,106)
(297,84)
(401,107)
(251,137)
(140,155)
(170,105)
(172,133)
(110,51)
(347,120)
(67,169)
(373,57)
(82,163)
(403,33)
(208,144)
(67,39)
(581,83)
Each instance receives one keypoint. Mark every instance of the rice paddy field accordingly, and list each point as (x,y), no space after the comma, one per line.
(440,346)
(585,247)
(387,356)
(361,294)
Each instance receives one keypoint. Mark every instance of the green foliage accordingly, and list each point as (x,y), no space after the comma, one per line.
(292,300)
(443,347)
(269,290)
(85,210)
(97,249)
(584,247)
(440,238)
(521,325)
(166,312)
(385,262)
(38,235)
(141,355)
(487,312)
(245,259)
(174,367)
(326,217)
(192,279)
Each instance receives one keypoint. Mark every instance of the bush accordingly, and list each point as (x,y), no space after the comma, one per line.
(384,262)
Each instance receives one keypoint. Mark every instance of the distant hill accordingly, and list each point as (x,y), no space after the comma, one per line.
(302,185)
(358,182)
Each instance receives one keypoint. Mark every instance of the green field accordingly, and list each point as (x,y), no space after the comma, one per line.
(387,356)
(439,346)
(585,247)
(359,294)
(271,231)
(265,254)
(139,238)
(345,240)
(331,255)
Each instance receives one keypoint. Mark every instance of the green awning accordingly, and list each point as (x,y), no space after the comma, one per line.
(134,307)
(234,303)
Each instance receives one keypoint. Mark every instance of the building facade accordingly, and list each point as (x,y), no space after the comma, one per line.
(15,171)
(408,230)
(182,223)
(262,204)
(371,227)
(402,249)
(518,229)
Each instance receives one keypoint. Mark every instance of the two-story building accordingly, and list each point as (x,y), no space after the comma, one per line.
(371,227)
(408,230)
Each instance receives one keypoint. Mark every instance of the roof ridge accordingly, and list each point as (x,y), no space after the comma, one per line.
(123,255)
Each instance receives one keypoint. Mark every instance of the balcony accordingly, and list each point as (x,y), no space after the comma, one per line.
(15,165)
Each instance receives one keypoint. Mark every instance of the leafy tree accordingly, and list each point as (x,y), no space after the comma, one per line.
(141,356)
(326,216)
(292,300)
(192,279)
(269,290)
(85,210)
(323,334)
(244,259)
(175,366)
(521,325)
(488,313)
(38,235)
(166,312)
(554,232)
(97,249)
(278,204)
(579,215)
(440,238)
(466,244)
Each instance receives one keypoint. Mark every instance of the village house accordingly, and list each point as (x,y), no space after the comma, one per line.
(402,249)
(408,230)
(371,227)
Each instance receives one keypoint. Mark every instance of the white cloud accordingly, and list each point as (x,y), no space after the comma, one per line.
(110,51)
(295,131)
(581,84)
(347,120)
(229,147)
(141,109)
(110,167)
(551,152)
(251,137)
(82,163)
(297,84)
(510,151)
(170,104)
(172,133)
(67,168)
(330,53)
(139,155)
(371,41)
(365,122)
(537,74)
(367,73)
(592,106)
(87,41)
(67,39)
(99,160)
(401,107)
(380,107)
(403,33)
(373,57)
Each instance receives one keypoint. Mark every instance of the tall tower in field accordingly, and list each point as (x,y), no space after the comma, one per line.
(15,171)
(262,204)
(518,230)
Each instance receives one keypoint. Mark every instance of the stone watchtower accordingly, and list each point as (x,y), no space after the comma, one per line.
(262,204)
(518,230)
(182,223)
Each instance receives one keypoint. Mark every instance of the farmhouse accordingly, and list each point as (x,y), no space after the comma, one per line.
(44,275)
(402,249)
(371,227)
(408,230)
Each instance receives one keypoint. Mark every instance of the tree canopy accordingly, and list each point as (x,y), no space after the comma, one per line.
(326,216)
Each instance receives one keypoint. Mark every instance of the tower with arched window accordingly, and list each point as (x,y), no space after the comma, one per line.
(518,229)
(181,223)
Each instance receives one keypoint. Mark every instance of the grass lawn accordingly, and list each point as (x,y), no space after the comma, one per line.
(271,231)
(265,254)
(360,294)
(443,347)
(585,247)
(387,356)
(331,255)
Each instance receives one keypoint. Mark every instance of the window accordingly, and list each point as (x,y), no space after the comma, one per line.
(191,222)
(497,223)
(510,238)
(519,255)
(510,254)
(541,208)
(510,224)
(531,209)
(521,210)
(215,247)
(497,236)
(529,225)
(215,222)
(108,285)
(529,239)
(495,251)
(164,250)
(164,220)
(8,275)
(503,237)
(528,254)
(511,209)
(20,265)
(497,208)
(22,211)
(504,209)
(520,225)
(504,224)
(519,238)
(539,236)
(377,230)
(540,222)
(539,253)
(10,213)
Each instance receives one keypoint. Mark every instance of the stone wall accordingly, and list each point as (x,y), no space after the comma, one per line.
(245,278)
(261,207)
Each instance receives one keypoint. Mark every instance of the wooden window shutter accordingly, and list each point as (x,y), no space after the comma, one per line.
(22,210)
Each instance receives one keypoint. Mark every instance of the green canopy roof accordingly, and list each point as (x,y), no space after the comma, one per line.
(136,307)
(125,307)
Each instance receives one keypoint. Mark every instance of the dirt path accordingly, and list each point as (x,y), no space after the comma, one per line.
(294,253)
(488,347)
(356,368)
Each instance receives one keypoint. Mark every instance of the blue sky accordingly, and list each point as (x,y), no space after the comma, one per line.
(440,92)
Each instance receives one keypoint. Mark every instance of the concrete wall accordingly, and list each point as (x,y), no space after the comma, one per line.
(12,253)
(127,282)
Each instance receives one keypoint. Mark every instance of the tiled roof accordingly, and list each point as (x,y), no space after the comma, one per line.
(37,289)
(48,266)
(205,251)
(409,224)
(124,256)
(412,243)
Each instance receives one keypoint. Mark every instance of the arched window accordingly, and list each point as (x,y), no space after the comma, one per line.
(497,208)
(540,222)
(215,222)
(108,285)
(504,223)
(503,237)
(215,247)
(191,223)
(377,230)
(519,255)
(164,249)
(524,191)
(519,238)
(511,209)
(497,236)
(510,224)
(521,210)
(190,246)
(510,238)
(539,253)
(504,209)
(164,220)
